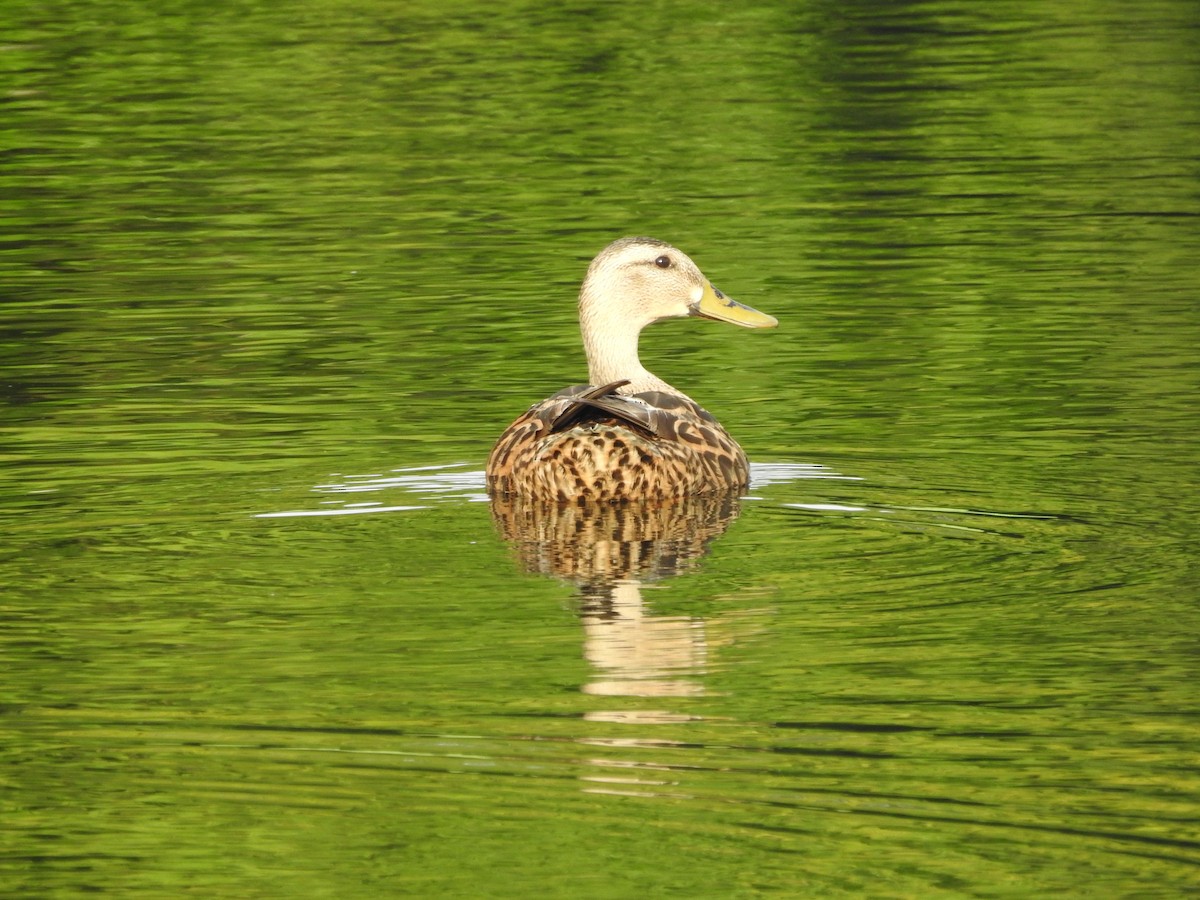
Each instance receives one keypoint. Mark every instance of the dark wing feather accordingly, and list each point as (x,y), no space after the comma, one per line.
(628,411)
(577,401)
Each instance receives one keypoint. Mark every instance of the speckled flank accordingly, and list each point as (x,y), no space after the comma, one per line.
(603,457)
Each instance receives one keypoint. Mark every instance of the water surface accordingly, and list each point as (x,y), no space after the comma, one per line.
(274,279)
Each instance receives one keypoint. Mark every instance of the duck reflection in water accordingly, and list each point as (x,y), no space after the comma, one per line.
(611,552)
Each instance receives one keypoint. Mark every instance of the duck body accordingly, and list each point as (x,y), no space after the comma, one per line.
(629,435)
(595,444)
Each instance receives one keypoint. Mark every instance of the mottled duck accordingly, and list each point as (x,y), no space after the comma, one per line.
(628,434)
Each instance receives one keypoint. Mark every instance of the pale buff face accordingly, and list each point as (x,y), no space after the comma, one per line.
(634,282)
(640,281)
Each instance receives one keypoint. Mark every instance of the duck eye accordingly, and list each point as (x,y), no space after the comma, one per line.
(663,262)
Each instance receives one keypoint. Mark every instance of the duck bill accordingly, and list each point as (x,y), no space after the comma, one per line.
(715,305)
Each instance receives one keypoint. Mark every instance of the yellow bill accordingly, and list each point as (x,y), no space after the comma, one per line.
(715,305)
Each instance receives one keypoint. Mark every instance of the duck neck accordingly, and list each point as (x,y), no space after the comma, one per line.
(612,354)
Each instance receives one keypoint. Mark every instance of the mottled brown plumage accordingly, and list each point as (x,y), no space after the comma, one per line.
(628,435)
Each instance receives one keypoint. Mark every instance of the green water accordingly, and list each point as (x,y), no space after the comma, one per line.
(262,264)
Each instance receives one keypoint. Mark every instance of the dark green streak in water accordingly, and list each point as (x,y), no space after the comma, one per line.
(245,246)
